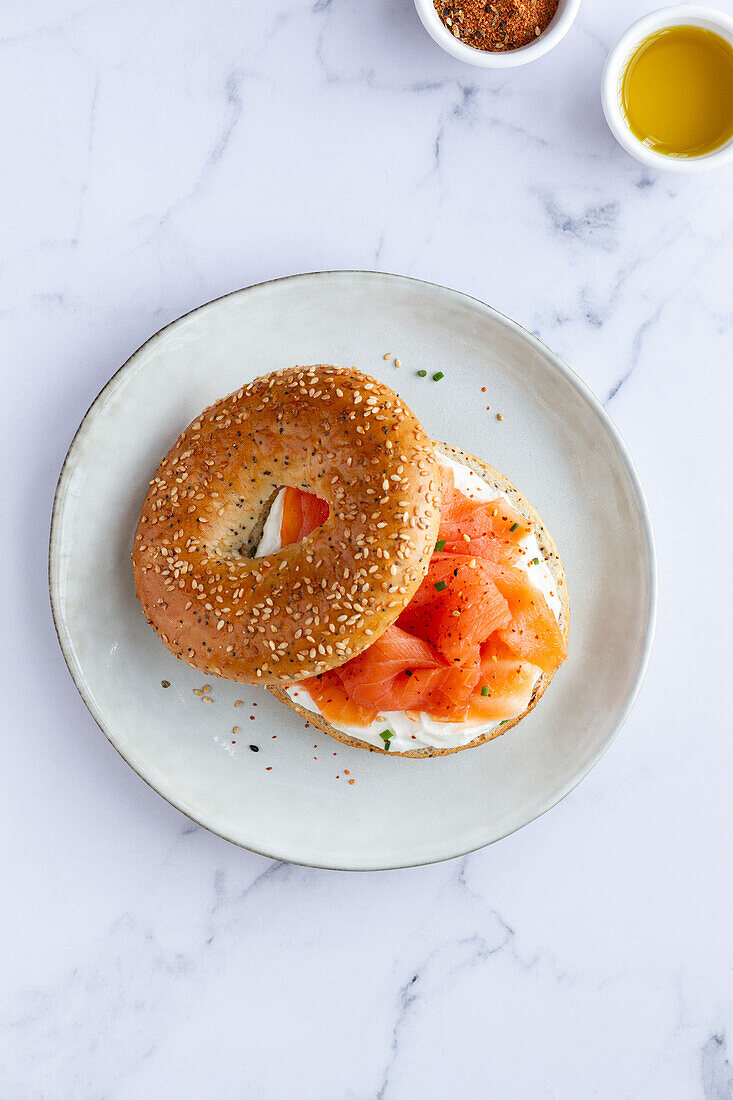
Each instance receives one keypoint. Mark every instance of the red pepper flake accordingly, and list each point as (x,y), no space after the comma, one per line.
(346,771)
(351,782)
(268,769)
(483,389)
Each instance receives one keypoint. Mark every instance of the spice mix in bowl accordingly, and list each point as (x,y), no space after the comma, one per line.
(497,33)
(502,25)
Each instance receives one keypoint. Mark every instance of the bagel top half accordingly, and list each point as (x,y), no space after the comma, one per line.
(315,604)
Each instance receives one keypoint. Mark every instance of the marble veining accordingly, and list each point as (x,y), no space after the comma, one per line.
(157,156)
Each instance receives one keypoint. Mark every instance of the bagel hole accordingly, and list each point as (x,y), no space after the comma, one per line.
(290,515)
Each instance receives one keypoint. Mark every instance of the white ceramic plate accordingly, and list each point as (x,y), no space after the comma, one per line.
(555,442)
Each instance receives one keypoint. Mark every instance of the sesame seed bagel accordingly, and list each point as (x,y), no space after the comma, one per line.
(324,429)
(501,484)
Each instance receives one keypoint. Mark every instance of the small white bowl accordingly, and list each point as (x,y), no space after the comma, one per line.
(688,15)
(556,30)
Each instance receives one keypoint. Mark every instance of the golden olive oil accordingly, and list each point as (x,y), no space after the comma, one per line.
(677,91)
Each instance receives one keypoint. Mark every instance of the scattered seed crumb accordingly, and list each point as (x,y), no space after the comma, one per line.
(274,737)
(268,769)
(251,717)
(197,691)
(387,355)
(255,748)
(165,683)
(488,408)
(398,362)
(254,704)
(207,699)
(499,416)
(351,782)
(235,729)
(238,703)
(307,725)
(207,689)
(234,742)
(346,771)
(483,389)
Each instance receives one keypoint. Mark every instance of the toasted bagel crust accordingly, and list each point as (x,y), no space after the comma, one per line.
(501,484)
(327,430)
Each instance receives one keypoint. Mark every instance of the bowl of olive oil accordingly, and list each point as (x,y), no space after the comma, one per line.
(668,89)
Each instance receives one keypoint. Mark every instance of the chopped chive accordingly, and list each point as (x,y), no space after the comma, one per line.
(440,586)
(437,377)
(440,544)
(504,722)
(385,735)
(535,561)
(422,374)
(485,689)
(514,527)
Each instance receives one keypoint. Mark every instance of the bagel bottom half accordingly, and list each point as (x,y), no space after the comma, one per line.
(498,482)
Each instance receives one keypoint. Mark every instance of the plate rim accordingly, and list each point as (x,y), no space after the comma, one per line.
(581,388)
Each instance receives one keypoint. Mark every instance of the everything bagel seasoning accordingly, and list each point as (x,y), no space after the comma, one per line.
(499,25)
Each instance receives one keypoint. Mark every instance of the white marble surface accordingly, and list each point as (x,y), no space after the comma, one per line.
(154,157)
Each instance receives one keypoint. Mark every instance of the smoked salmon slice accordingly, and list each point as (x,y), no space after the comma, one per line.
(451,696)
(302,513)
(397,672)
(334,702)
(506,681)
(533,632)
(487,529)
(457,606)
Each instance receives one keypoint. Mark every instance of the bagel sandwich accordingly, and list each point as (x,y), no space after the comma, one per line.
(305,533)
